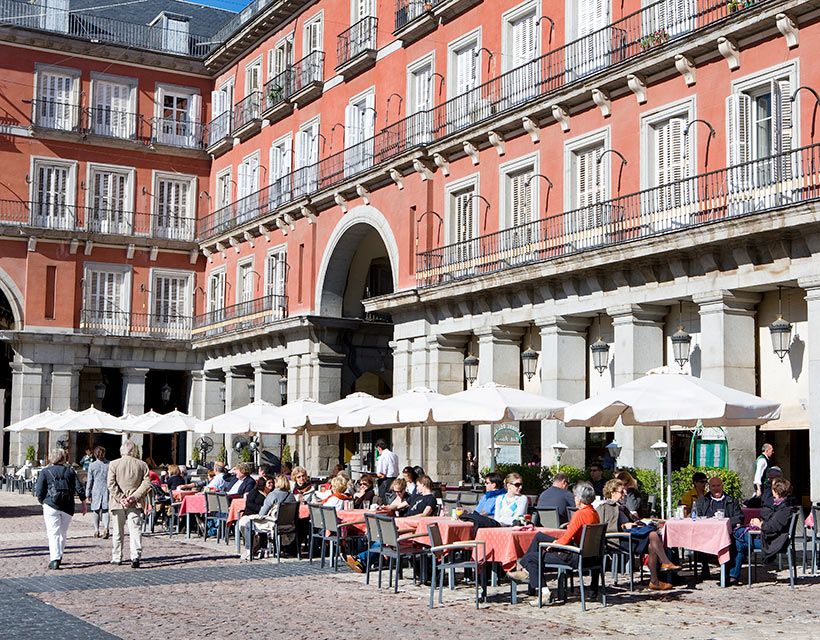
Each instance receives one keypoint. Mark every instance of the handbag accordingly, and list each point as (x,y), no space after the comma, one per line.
(643,531)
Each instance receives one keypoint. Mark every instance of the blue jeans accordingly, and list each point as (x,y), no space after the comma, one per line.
(740,556)
(371,555)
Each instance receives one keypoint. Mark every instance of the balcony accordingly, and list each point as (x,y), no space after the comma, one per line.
(446,10)
(735,192)
(140,325)
(414,20)
(308,78)
(53,115)
(218,132)
(181,134)
(246,116)
(97,29)
(356,48)
(277,92)
(54,213)
(114,124)
(240,317)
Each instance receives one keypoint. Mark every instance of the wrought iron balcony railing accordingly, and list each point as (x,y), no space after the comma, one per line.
(241,316)
(53,212)
(182,133)
(733,192)
(556,70)
(56,115)
(247,110)
(167,326)
(84,25)
(278,89)
(308,70)
(409,10)
(358,39)
(219,128)
(114,123)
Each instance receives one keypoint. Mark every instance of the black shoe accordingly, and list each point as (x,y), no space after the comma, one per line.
(135,564)
(54,564)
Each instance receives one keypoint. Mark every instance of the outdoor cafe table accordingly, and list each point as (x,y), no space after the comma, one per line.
(194,503)
(451,530)
(712,536)
(505,545)
(236,507)
(179,494)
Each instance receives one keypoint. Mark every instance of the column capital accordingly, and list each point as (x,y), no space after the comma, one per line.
(647,314)
(563,325)
(134,372)
(500,334)
(445,342)
(266,366)
(812,286)
(725,301)
(66,369)
(212,375)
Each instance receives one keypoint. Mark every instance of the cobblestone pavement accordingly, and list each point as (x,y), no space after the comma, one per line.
(187,587)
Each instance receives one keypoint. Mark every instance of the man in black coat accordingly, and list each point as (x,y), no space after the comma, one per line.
(557,497)
(707,506)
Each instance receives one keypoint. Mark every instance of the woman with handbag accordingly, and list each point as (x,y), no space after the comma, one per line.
(645,538)
(55,489)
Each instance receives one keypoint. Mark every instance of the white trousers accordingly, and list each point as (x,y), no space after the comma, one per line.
(57,529)
(101,515)
(133,517)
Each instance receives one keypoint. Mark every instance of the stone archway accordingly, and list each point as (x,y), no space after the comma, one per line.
(360,253)
(11,304)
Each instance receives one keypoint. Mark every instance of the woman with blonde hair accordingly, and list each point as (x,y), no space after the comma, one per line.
(338,493)
(632,498)
(512,505)
(55,489)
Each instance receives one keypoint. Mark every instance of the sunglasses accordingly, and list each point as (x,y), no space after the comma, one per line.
(516,484)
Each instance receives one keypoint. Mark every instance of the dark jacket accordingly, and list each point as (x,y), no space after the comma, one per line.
(52,475)
(248,483)
(774,528)
(706,508)
(367,496)
(633,501)
(558,499)
(254,501)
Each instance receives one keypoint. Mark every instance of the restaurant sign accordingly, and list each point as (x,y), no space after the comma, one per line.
(507,441)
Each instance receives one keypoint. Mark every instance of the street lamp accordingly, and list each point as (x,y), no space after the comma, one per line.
(600,352)
(780,330)
(681,342)
(614,450)
(529,361)
(283,389)
(165,393)
(251,391)
(99,390)
(661,450)
(558,449)
(471,368)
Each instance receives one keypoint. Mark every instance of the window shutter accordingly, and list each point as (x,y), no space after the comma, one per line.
(738,112)
(301,149)
(195,110)
(782,132)
(287,151)
(313,144)
(351,132)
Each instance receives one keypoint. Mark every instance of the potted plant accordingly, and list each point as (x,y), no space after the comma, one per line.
(735,5)
(428,5)
(275,94)
(31,454)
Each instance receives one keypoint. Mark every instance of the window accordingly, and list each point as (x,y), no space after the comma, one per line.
(112,112)
(171,294)
(361,9)
(179,117)
(216,293)
(420,100)
(247,184)
(276,269)
(245,282)
(222,108)
(280,58)
(462,224)
(57,105)
(586,188)
(223,188)
(175,34)
(667,19)
(54,15)
(360,122)
(464,75)
(53,191)
(110,199)
(174,207)
(280,168)
(520,48)
(106,304)
(312,40)
(519,195)
(594,42)
(307,156)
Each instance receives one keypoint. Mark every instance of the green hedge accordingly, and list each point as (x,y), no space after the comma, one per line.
(536,479)
(682,481)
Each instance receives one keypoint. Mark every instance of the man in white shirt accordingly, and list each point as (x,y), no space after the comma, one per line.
(761,468)
(387,467)
(217,483)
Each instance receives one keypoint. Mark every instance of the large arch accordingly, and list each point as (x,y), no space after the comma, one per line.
(341,248)
(14,296)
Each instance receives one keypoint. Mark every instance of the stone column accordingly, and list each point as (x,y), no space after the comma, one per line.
(26,401)
(812,287)
(499,358)
(133,397)
(402,365)
(65,393)
(727,343)
(236,388)
(3,421)
(266,377)
(638,348)
(563,377)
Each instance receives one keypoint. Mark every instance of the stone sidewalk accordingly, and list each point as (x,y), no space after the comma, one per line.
(191,587)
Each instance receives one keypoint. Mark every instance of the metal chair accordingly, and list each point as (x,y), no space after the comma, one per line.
(216,508)
(372,538)
(447,557)
(450,501)
(284,524)
(546,517)
(468,500)
(317,529)
(589,558)
(333,535)
(395,549)
(797,515)
(618,556)
(810,537)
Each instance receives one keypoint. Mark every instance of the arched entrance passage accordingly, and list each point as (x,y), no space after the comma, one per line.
(10,319)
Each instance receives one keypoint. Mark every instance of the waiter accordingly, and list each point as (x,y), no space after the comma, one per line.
(387,467)
(762,467)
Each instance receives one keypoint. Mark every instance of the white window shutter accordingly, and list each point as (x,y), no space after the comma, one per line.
(216,103)
(301,149)
(195,110)
(738,118)
(287,152)
(782,117)
(351,135)
(313,144)
(369,116)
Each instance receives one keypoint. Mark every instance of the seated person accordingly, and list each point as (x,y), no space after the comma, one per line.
(774,528)
(493,487)
(398,498)
(280,494)
(584,496)
(410,477)
(364,494)
(256,496)
(512,505)
(596,478)
(717,500)
(423,502)
(632,499)
(303,488)
(767,497)
(617,519)
(335,471)
(557,497)
(338,493)
(218,482)
(698,490)
(287,469)
(175,478)
(243,483)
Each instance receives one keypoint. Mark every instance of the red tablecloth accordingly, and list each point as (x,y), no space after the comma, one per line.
(451,530)
(506,545)
(237,505)
(179,495)
(707,535)
(749,513)
(194,503)
(304,511)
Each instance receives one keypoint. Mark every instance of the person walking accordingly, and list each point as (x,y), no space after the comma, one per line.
(128,484)
(96,490)
(55,489)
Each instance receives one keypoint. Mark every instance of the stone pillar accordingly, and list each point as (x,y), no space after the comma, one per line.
(65,394)
(445,363)
(638,348)
(26,401)
(298,444)
(3,422)
(499,358)
(563,377)
(133,397)
(727,343)
(236,388)
(266,377)
(402,365)
(812,287)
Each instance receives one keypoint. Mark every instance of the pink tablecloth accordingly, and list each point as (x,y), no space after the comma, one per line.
(506,545)
(192,504)
(749,513)
(451,530)
(179,495)
(237,505)
(707,535)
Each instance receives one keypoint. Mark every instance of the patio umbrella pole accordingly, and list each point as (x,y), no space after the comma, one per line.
(669,469)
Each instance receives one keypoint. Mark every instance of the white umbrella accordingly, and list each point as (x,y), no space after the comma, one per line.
(38,422)
(90,419)
(129,419)
(507,404)
(258,416)
(416,406)
(664,399)
(306,412)
(353,402)
(165,423)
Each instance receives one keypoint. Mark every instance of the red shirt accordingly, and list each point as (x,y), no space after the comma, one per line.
(585,515)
